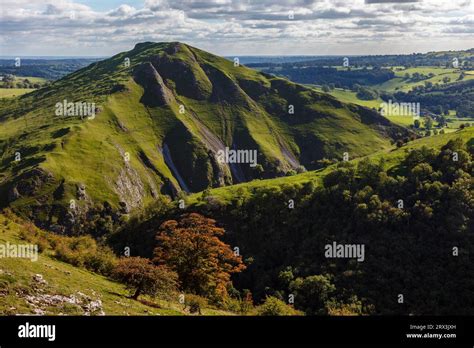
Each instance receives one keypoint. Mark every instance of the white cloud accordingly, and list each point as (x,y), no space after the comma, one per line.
(65,27)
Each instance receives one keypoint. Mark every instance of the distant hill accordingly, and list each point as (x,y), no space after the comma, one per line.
(153,121)
(437,58)
(48,68)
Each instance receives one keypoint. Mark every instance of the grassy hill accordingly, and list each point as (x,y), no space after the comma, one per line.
(161,113)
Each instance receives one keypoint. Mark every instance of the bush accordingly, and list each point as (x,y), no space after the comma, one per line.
(300,169)
(78,251)
(350,308)
(275,307)
(195,303)
(34,236)
(237,305)
(84,252)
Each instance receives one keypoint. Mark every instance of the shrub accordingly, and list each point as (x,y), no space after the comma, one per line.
(300,169)
(350,308)
(34,236)
(238,305)
(79,251)
(84,252)
(275,307)
(195,303)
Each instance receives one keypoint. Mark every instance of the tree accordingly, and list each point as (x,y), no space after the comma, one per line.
(325,88)
(442,121)
(312,293)
(428,122)
(141,276)
(192,248)
(366,94)
(421,172)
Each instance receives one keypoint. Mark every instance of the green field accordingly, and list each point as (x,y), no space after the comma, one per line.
(454,123)
(348,96)
(32,79)
(399,83)
(14,92)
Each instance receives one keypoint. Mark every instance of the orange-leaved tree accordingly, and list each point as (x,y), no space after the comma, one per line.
(143,277)
(192,248)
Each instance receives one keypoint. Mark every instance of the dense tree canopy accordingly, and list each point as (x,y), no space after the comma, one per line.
(415,221)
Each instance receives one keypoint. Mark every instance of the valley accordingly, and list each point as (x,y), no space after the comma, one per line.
(116,169)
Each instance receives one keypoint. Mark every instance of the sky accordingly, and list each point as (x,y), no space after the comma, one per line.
(236,27)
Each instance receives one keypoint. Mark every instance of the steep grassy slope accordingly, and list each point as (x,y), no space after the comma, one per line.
(51,287)
(391,158)
(157,116)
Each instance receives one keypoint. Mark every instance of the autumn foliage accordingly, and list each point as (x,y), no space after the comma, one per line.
(191,247)
(143,277)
